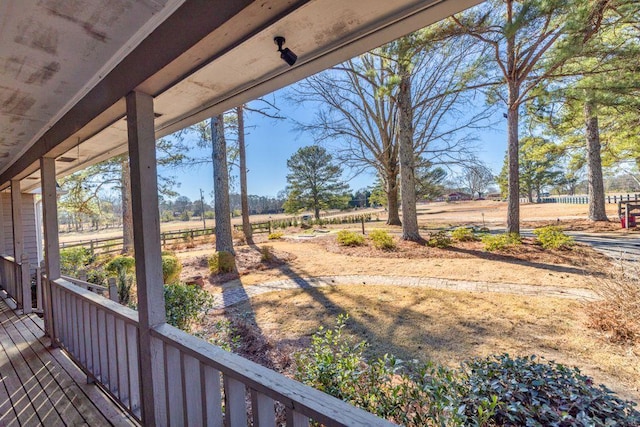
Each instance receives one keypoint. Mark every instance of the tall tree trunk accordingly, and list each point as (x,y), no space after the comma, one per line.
(127,212)
(513,197)
(244,200)
(224,238)
(407,159)
(597,211)
(393,217)
(513,186)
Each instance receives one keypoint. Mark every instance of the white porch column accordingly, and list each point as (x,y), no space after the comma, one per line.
(51,239)
(18,246)
(16,217)
(146,237)
(3,249)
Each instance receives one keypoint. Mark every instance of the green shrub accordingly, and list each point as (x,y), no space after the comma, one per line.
(184,304)
(332,363)
(266,253)
(97,276)
(382,239)
(494,391)
(463,234)
(121,263)
(122,267)
(552,237)
(530,391)
(171,268)
(497,242)
(439,239)
(276,235)
(73,259)
(349,238)
(222,262)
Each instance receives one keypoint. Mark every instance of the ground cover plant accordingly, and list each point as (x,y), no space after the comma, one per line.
(381,239)
(498,242)
(349,238)
(496,390)
(463,234)
(552,237)
(439,239)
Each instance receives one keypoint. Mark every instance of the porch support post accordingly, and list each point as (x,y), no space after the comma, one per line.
(146,237)
(51,240)
(3,249)
(18,236)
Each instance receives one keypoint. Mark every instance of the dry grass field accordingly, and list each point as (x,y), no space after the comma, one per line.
(430,324)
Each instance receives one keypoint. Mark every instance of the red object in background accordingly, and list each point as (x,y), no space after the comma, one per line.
(632,221)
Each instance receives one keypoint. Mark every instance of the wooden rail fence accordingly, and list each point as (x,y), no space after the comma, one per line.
(114,244)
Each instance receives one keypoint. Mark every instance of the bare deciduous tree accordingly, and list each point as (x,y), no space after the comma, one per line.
(422,85)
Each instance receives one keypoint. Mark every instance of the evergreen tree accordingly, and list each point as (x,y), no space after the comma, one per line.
(314,181)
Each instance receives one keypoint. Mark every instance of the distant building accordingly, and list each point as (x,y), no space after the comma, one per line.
(458,196)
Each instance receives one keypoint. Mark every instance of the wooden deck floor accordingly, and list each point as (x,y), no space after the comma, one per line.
(41,386)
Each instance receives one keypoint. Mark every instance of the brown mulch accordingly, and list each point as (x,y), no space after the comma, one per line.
(248,259)
(528,251)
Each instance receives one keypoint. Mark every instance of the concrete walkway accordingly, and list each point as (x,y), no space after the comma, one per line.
(619,247)
(237,295)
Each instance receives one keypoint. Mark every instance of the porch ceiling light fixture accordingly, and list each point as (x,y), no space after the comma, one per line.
(286,54)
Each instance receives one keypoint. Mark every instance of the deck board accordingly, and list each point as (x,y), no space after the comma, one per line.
(12,369)
(45,395)
(42,386)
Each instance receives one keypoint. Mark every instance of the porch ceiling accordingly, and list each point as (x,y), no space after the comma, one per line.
(65,66)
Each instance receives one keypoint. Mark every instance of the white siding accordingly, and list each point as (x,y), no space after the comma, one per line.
(28,224)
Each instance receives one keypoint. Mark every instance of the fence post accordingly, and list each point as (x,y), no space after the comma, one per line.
(113,290)
(626,216)
(25,283)
(362,218)
(269,227)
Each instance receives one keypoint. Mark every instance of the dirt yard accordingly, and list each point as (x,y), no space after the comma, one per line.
(445,326)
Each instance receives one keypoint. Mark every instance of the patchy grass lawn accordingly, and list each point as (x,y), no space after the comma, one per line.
(442,326)
(419,323)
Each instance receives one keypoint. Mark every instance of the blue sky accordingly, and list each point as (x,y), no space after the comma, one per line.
(271,142)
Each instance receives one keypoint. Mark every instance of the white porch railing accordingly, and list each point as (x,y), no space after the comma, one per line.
(203,384)
(15,279)
(8,270)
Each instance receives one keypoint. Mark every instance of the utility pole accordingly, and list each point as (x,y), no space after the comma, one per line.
(204,221)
